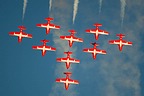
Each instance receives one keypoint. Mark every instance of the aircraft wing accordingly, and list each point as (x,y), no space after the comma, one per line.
(114,41)
(73,38)
(37,47)
(41,25)
(26,35)
(74,60)
(65,59)
(50,48)
(91,30)
(62,80)
(90,50)
(103,32)
(14,33)
(73,81)
(65,37)
(101,51)
(54,26)
(61,59)
(77,39)
(126,43)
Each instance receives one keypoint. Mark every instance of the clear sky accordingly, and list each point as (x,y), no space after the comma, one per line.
(24,72)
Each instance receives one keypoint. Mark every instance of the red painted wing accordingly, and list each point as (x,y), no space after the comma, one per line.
(65,37)
(14,33)
(73,81)
(52,25)
(46,48)
(90,50)
(61,59)
(76,39)
(114,41)
(61,80)
(41,25)
(126,43)
(26,35)
(38,47)
(90,30)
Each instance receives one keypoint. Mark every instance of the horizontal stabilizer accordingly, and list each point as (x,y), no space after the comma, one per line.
(68,52)
(49,19)
(72,31)
(97,24)
(44,41)
(120,35)
(22,27)
(95,44)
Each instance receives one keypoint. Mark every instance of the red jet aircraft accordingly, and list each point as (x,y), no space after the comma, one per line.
(97,31)
(120,42)
(48,25)
(44,47)
(94,50)
(68,60)
(71,38)
(20,34)
(67,80)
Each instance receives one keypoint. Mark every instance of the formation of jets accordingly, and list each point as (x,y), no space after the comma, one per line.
(68,60)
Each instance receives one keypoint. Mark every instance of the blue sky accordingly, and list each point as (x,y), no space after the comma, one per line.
(24,72)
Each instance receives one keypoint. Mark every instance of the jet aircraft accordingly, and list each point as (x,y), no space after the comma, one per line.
(94,50)
(48,25)
(20,34)
(120,42)
(67,81)
(97,31)
(44,47)
(71,38)
(68,60)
